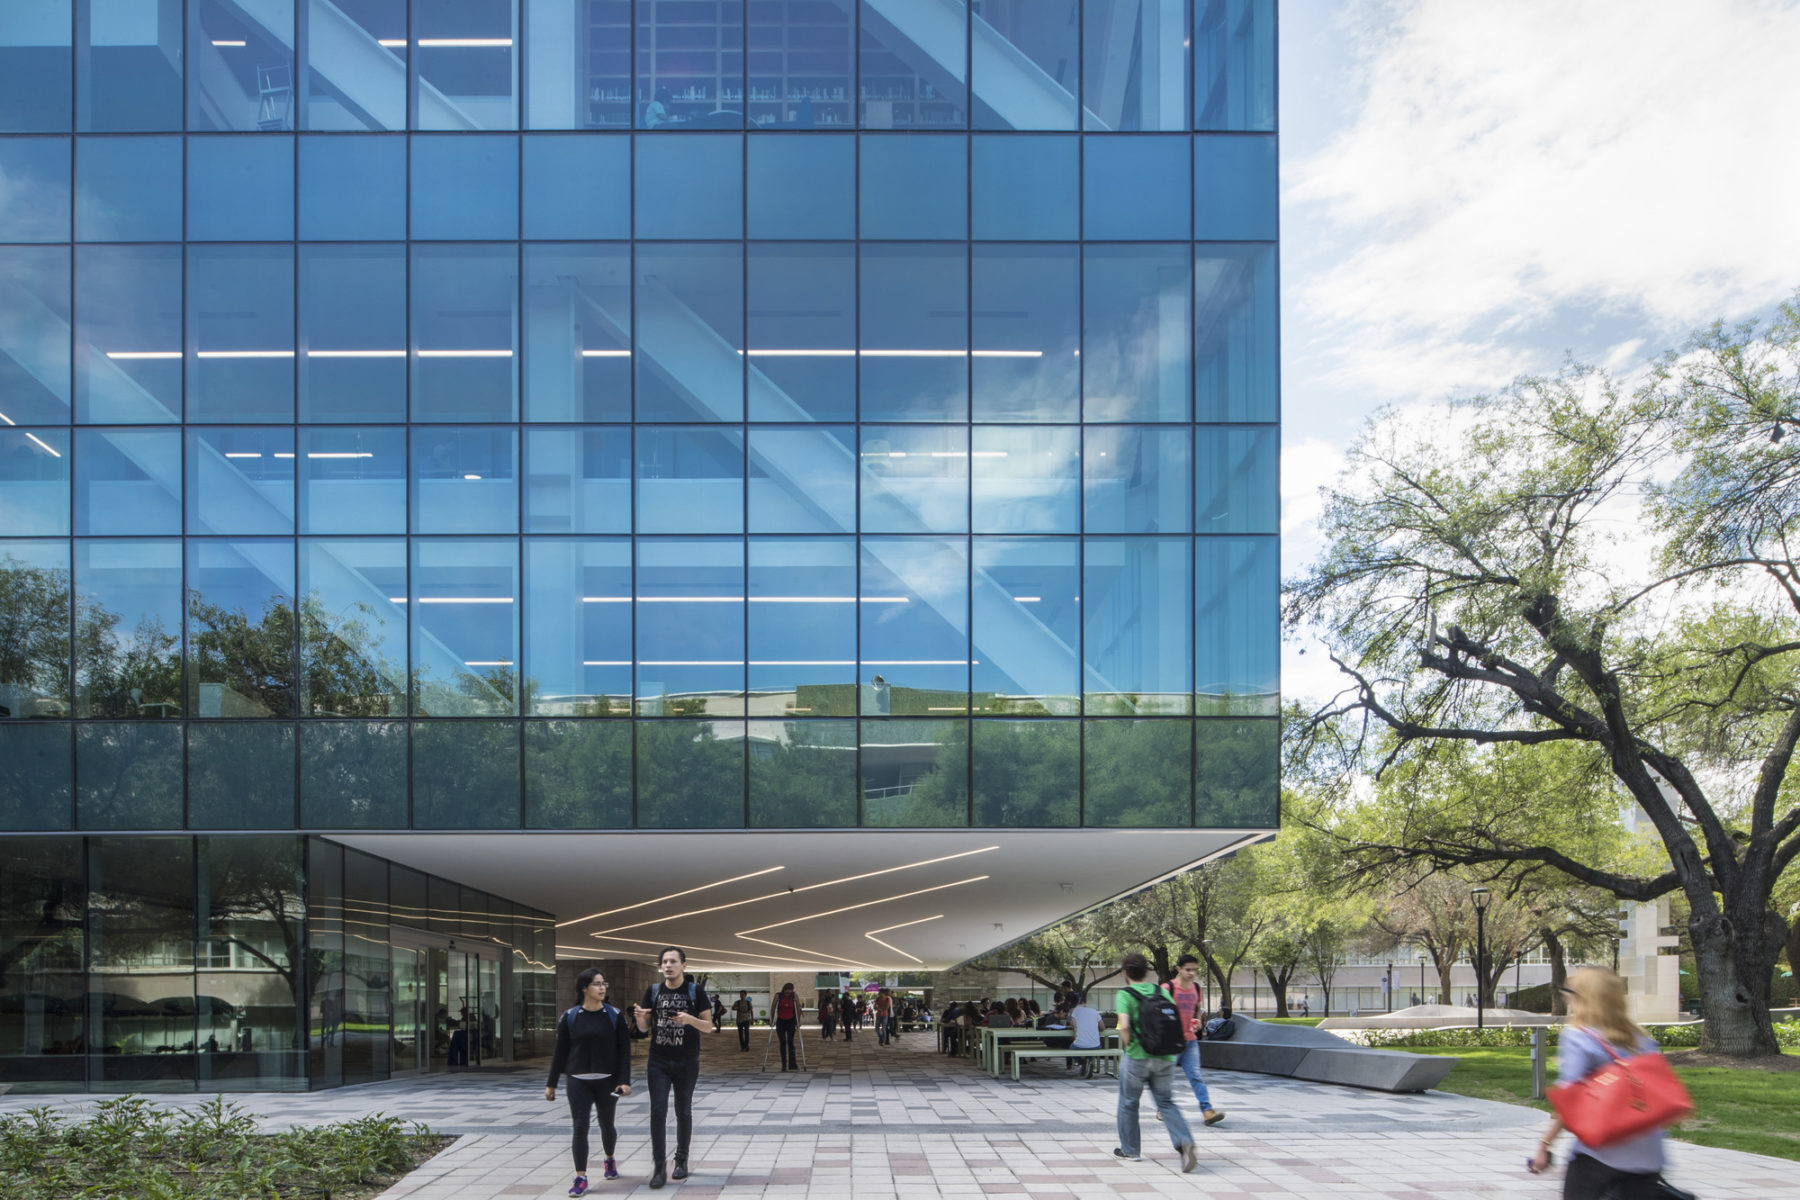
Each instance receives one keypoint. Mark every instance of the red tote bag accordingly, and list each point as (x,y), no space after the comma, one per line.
(1623,1099)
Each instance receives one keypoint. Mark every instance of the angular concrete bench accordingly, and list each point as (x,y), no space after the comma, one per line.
(1302,1052)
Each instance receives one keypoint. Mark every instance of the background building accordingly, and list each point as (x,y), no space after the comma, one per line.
(796,479)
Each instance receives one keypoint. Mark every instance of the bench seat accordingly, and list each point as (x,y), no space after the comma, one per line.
(1109,1055)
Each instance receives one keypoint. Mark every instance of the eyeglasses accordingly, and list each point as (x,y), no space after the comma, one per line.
(1566,990)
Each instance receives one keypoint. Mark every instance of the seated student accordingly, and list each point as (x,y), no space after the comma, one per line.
(1084,1019)
(998,1018)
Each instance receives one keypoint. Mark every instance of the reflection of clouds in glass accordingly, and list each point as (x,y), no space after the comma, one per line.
(34,198)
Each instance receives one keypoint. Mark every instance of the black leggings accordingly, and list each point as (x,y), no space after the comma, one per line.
(1590,1179)
(784,1030)
(587,1096)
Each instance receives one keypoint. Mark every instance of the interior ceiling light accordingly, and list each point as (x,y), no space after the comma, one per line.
(226,42)
(671,896)
(439,43)
(52,451)
(464,353)
(903,925)
(243,354)
(128,355)
(831,912)
(356,354)
(804,955)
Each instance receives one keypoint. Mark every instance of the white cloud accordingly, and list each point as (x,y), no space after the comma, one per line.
(1513,172)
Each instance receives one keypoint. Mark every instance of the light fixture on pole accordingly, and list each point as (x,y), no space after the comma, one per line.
(1480,896)
(1422,999)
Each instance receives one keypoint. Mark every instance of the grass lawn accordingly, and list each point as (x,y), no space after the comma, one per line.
(1737,1109)
(1292,1020)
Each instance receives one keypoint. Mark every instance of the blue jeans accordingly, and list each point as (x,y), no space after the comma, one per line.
(1159,1073)
(1189,1059)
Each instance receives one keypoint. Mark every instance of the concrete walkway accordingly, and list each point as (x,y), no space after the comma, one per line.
(905,1122)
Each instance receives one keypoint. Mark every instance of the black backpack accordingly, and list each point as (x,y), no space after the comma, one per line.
(1158,1025)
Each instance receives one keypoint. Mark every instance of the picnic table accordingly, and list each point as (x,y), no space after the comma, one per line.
(991,1051)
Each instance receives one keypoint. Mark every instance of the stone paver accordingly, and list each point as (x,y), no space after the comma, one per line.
(905,1123)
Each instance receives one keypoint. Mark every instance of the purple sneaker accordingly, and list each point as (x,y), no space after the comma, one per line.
(579,1187)
(612,1168)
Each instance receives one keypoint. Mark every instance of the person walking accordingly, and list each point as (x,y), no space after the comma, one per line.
(884,1007)
(674,1015)
(1190,1002)
(745,1012)
(1599,1029)
(1150,1033)
(847,1014)
(593,1047)
(786,1012)
(827,1017)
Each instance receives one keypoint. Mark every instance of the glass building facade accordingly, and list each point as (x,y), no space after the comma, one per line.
(612,414)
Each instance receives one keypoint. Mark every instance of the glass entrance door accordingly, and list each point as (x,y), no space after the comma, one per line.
(412,1015)
(462,997)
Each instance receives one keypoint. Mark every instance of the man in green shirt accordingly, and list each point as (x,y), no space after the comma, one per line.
(1141,1032)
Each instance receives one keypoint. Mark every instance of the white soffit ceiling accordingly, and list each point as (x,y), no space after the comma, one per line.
(779,900)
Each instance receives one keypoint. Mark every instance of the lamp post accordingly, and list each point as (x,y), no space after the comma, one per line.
(1480,896)
(1422,999)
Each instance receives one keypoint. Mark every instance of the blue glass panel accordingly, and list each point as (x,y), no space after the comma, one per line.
(1237,774)
(465,775)
(34,482)
(801,331)
(690,775)
(1235,478)
(577,775)
(1234,65)
(1136,479)
(465,480)
(240,481)
(914,186)
(353,328)
(127,481)
(240,331)
(36,67)
(578,481)
(352,775)
(1027,626)
(1137,625)
(37,776)
(690,187)
(241,775)
(912,65)
(1237,602)
(128,334)
(240,66)
(1235,194)
(128,776)
(915,478)
(1025,60)
(465,186)
(240,629)
(352,480)
(802,187)
(690,481)
(36,174)
(468,65)
(915,333)
(577,187)
(690,65)
(37,573)
(1236,345)
(690,333)
(356,66)
(803,625)
(577,333)
(915,774)
(915,626)
(465,627)
(578,627)
(127,67)
(1134,352)
(1025,480)
(802,66)
(802,480)
(1026,189)
(1026,333)
(580,72)
(128,614)
(353,628)
(1136,774)
(690,626)
(802,774)
(464,301)
(1134,64)
(1135,189)
(128,189)
(240,189)
(34,335)
(352,189)
(1027,773)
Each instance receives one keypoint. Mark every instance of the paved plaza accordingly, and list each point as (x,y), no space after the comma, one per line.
(906,1123)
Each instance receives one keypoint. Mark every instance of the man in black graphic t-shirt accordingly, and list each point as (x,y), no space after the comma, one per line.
(673,1016)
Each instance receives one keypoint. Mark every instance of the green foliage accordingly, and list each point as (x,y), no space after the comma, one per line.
(1670,1037)
(214,1152)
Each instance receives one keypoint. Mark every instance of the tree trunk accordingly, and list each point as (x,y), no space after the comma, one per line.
(1559,971)
(1793,955)
(1734,954)
(1278,989)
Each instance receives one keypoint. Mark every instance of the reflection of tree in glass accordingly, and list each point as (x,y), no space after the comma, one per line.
(1136,773)
(41,909)
(688,777)
(578,775)
(1027,773)
(941,795)
(1238,769)
(804,776)
(34,638)
(255,903)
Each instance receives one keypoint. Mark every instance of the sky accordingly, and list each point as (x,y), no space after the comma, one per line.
(1478,189)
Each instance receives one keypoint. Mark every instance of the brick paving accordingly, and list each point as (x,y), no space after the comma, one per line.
(903,1122)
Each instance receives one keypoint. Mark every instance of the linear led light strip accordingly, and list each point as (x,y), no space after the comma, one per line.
(309,454)
(746,934)
(173,354)
(903,925)
(802,957)
(741,599)
(789,662)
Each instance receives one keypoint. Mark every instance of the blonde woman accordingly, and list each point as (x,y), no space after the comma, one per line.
(1627,1170)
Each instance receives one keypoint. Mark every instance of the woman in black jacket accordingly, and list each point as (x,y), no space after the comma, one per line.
(593,1047)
